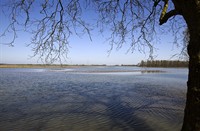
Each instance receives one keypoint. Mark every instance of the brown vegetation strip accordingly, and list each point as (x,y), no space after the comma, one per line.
(35,66)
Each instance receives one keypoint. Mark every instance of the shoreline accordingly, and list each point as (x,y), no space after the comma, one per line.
(68,66)
(63,67)
(42,66)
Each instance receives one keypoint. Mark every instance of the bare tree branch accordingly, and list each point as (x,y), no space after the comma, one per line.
(130,22)
(168,15)
(51,26)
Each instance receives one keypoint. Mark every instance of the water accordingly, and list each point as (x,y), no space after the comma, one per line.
(92,99)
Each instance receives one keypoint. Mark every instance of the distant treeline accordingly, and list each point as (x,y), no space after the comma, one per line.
(163,63)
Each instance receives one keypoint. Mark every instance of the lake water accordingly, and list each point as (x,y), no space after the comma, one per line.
(92,99)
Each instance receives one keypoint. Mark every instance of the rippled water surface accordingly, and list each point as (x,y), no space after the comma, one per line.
(92,99)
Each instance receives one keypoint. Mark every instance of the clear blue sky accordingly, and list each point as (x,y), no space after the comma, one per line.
(84,51)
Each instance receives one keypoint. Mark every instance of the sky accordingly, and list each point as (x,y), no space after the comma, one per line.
(83,50)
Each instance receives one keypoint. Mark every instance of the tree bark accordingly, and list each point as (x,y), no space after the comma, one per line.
(191,13)
(192,109)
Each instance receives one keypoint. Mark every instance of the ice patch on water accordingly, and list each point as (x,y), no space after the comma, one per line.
(113,73)
(60,70)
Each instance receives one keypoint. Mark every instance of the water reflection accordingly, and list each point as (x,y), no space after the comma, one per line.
(63,101)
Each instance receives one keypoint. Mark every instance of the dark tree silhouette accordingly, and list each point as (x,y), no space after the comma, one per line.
(52,22)
(163,63)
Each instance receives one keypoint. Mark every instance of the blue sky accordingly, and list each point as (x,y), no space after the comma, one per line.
(84,51)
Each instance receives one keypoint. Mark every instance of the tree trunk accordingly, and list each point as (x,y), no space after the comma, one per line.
(192,109)
(191,13)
